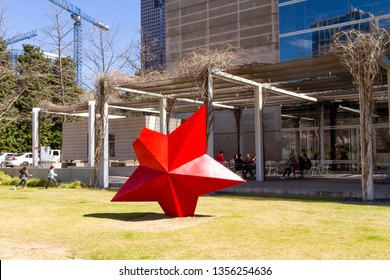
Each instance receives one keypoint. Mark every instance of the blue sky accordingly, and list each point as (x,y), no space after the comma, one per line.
(27,15)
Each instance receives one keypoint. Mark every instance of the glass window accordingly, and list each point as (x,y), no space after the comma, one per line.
(303,24)
(111,145)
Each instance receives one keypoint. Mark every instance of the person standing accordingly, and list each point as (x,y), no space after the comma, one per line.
(23,178)
(51,177)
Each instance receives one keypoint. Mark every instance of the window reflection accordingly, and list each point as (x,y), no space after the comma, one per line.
(303,25)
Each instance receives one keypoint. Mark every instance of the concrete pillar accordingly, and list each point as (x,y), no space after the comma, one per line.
(259,133)
(163,115)
(241,133)
(371,190)
(322,137)
(105,157)
(388,95)
(35,135)
(210,116)
(91,133)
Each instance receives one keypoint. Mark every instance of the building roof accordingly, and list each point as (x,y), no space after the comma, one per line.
(323,78)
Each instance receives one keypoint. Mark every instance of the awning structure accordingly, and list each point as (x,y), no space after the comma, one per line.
(322,78)
(315,80)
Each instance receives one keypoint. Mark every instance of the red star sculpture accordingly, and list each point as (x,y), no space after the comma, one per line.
(175,169)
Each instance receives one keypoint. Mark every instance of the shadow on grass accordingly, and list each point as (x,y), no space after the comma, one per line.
(134,217)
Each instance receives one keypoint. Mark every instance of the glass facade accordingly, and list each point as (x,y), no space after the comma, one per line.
(153,34)
(306,26)
(305,30)
(300,133)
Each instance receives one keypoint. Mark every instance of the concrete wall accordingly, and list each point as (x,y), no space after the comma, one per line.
(248,24)
(75,136)
(75,140)
(70,174)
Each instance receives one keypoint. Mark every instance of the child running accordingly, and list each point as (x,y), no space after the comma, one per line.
(51,177)
(23,177)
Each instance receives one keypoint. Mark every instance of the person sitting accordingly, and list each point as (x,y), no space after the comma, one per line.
(248,166)
(290,165)
(220,157)
(304,164)
(237,162)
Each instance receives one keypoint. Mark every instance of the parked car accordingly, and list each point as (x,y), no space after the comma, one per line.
(19,159)
(3,156)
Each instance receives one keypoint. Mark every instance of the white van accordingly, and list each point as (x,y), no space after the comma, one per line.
(49,155)
(55,155)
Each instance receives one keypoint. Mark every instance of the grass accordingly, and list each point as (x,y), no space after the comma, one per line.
(80,223)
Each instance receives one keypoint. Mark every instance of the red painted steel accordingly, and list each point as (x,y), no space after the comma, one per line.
(175,169)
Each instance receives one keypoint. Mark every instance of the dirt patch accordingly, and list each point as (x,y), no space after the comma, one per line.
(160,223)
(14,249)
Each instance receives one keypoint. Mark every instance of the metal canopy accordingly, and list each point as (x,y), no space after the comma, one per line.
(323,78)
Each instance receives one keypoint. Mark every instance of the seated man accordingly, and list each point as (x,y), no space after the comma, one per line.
(237,162)
(304,163)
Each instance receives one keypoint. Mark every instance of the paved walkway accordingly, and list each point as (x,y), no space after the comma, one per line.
(333,185)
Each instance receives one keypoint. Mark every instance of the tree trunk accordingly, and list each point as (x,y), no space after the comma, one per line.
(366,157)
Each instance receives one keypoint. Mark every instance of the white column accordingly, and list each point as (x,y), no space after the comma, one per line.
(259,133)
(322,138)
(35,135)
(388,94)
(210,119)
(371,191)
(104,165)
(91,133)
(241,132)
(163,115)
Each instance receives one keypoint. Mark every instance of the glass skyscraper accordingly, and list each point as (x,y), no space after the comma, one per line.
(306,26)
(152,34)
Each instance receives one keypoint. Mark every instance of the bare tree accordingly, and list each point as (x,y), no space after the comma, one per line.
(359,52)
(107,62)
(197,64)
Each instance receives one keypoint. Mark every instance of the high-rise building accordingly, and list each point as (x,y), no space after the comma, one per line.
(306,26)
(268,30)
(277,31)
(322,38)
(247,24)
(152,34)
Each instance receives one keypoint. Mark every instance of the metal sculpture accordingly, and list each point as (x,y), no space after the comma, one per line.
(175,169)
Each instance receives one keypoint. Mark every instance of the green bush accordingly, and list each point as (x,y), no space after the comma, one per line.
(73,185)
(36,182)
(5,179)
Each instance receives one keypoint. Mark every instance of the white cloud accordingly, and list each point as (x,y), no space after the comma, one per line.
(302,43)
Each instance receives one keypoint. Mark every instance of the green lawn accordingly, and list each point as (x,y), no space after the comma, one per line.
(69,223)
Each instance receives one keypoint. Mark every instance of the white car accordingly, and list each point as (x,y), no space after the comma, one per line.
(3,156)
(19,159)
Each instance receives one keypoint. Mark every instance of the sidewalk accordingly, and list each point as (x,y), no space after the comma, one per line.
(332,185)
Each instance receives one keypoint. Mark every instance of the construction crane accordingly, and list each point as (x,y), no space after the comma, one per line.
(21,37)
(77,15)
